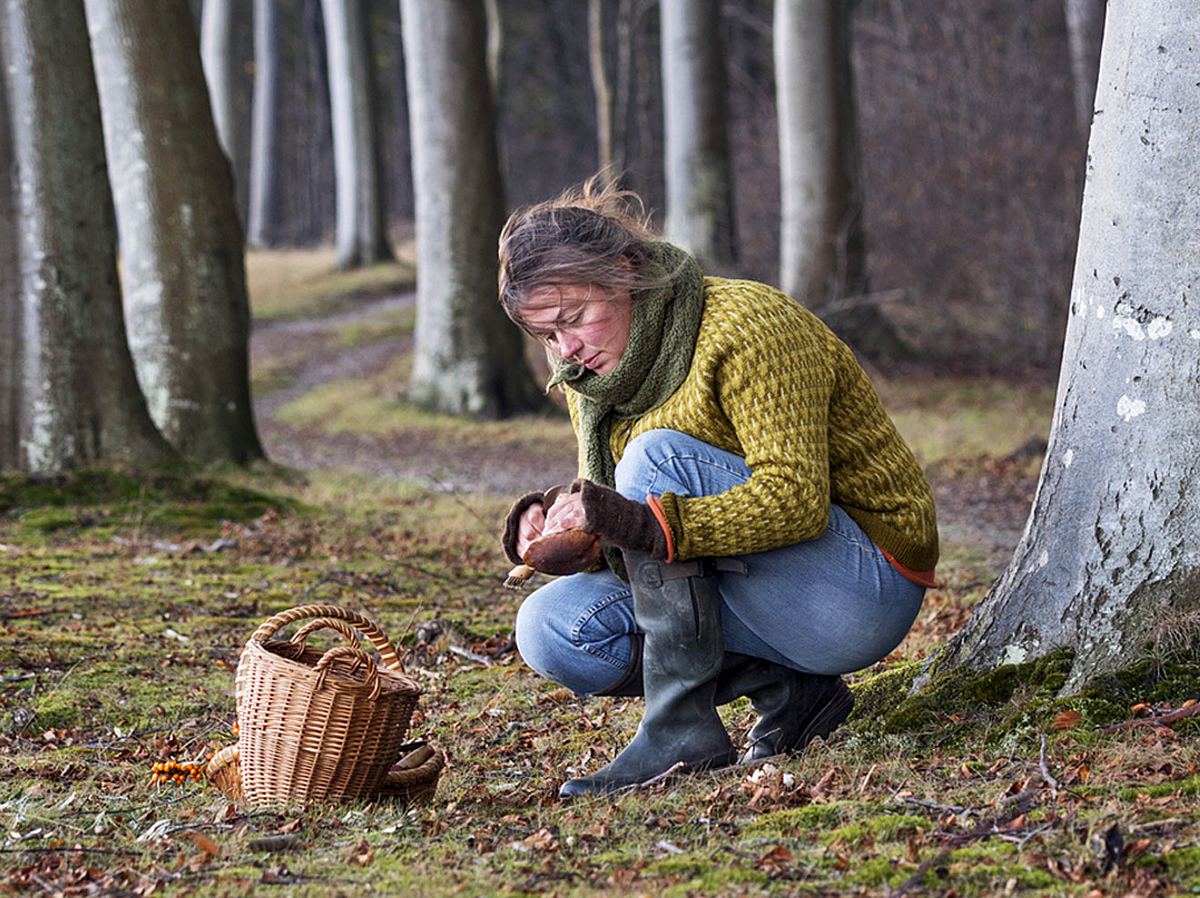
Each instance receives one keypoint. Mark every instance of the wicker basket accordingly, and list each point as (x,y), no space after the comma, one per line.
(319,725)
(412,779)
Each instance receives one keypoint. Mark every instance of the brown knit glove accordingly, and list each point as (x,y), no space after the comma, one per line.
(622,522)
(512,523)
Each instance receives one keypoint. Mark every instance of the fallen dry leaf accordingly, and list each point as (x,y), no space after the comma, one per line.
(204,843)
(1064,720)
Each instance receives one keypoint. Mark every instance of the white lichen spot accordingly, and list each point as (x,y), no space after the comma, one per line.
(1068,457)
(1013,654)
(1159,328)
(231,406)
(1130,408)
(1099,311)
(1194,334)
(1043,559)
(1132,329)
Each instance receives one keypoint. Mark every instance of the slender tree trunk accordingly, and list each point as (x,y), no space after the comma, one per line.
(217,54)
(1110,557)
(68,394)
(264,139)
(468,358)
(361,237)
(495,47)
(1085,30)
(181,241)
(602,89)
(697,170)
(822,246)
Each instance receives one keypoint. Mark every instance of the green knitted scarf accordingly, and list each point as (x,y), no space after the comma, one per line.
(662,339)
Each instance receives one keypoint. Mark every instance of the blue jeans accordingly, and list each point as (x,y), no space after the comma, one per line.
(829,605)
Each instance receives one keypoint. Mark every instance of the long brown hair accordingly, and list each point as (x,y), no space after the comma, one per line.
(594,234)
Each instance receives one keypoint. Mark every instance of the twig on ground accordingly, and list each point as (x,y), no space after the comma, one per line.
(1158,720)
(1044,768)
(662,777)
(471,656)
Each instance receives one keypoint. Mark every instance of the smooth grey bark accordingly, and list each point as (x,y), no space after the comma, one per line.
(1085,30)
(181,240)
(1110,557)
(68,394)
(699,214)
(361,239)
(217,22)
(468,358)
(264,126)
(822,247)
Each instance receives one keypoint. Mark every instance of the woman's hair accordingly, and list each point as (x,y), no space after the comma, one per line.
(593,234)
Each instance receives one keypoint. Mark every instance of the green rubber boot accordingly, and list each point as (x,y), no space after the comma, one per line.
(678,608)
(793,707)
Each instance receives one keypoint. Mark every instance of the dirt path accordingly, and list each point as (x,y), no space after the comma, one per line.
(982,510)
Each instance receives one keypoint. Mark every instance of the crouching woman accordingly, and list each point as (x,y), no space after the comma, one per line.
(765,527)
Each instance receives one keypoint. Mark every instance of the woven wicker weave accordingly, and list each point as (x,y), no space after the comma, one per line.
(412,779)
(319,725)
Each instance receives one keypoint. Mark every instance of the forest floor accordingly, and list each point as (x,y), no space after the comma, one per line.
(124,601)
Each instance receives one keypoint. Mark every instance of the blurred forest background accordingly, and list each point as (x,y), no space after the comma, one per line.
(972,157)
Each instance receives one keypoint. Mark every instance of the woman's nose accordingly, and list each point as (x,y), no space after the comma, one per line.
(568,344)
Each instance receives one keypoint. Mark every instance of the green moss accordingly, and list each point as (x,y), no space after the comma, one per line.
(107,499)
(882,828)
(716,880)
(877,871)
(875,695)
(1184,863)
(48,520)
(808,819)
(967,693)
(1188,787)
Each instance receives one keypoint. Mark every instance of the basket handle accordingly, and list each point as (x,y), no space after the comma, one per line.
(326,623)
(358,658)
(369,628)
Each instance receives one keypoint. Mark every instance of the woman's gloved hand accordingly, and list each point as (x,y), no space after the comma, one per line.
(619,521)
(524,523)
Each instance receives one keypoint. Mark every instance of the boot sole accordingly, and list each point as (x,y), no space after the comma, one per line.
(585,786)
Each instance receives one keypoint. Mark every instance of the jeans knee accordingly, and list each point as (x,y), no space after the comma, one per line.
(536,634)
(642,460)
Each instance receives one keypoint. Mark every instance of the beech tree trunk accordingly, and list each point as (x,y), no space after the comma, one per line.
(468,358)
(1110,557)
(264,135)
(822,248)
(361,238)
(181,240)
(1085,30)
(68,394)
(699,215)
(217,22)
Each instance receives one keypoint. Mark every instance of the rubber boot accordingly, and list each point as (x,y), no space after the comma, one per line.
(629,684)
(793,707)
(678,609)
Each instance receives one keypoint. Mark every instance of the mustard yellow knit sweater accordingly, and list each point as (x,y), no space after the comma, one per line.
(771,383)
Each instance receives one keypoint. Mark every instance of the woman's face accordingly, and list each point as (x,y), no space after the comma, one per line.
(580,323)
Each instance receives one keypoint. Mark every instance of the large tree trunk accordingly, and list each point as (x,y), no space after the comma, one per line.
(264,136)
(181,241)
(1111,553)
(468,358)
(1085,29)
(68,394)
(698,177)
(822,248)
(361,238)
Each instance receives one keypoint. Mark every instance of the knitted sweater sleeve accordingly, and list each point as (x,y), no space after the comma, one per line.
(774,384)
